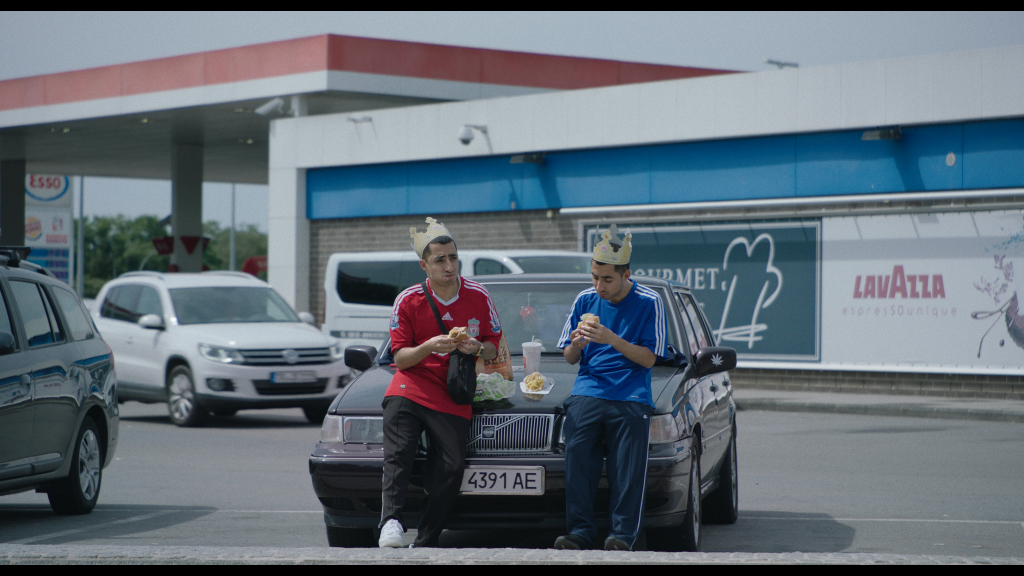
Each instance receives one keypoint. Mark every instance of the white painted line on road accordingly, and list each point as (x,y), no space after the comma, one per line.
(273,511)
(46,508)
(927,520)
(93,527)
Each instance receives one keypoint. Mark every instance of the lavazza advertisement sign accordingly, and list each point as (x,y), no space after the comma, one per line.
(928,292)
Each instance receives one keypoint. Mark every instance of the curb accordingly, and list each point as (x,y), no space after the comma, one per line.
(910,410)
(78,554)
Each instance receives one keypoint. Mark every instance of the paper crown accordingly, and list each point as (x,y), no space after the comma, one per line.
(612,250)
(420,239)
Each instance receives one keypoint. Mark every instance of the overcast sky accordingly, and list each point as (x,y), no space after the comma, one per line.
(42,43)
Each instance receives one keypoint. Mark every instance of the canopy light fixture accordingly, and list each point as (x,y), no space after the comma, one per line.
(882,134)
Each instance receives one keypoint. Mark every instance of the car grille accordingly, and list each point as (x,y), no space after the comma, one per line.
(268,388)
(510,434)
(279,357)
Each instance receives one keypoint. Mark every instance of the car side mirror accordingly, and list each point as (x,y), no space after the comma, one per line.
(360,357)
(7,342)
(152,322)
(307,318)
(714,359)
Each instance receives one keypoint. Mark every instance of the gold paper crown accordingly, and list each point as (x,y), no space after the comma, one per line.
(420,239)
(612,250)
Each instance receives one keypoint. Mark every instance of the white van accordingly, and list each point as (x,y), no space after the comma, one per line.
(360,287)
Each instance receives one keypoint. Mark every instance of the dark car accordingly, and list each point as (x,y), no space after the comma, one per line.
(58,400)
(515,473)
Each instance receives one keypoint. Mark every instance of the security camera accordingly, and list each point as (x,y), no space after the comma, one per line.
(275,105)
(466,135)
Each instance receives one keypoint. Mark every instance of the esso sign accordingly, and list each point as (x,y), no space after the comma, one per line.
(46,187)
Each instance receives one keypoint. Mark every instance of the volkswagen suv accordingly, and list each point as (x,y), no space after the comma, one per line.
(216,342)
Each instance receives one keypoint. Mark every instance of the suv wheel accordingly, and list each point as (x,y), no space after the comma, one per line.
(182,404)
(78,493)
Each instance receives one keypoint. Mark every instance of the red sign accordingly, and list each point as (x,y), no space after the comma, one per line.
(254,265)
(164,245)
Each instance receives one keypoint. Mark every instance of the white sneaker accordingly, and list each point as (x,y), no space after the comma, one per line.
(391,534)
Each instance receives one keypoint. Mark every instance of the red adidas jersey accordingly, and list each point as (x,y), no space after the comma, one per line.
(413,323)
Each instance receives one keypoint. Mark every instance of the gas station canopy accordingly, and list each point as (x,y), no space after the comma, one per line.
(124,120)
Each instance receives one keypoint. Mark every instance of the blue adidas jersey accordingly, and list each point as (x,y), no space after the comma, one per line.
(604,372)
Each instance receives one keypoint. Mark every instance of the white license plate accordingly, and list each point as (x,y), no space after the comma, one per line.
(292,377)
(523,480)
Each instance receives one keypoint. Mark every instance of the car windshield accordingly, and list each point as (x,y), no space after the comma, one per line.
(539,310)
(221,304)
(554,264)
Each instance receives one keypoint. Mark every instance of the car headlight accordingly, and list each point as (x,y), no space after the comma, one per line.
(353,429)
(222,355)
(331,430)
(664,428)
(337,353)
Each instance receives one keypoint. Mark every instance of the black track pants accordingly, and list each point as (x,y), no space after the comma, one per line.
(404,422)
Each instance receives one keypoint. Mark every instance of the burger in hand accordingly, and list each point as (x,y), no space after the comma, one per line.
(459,334)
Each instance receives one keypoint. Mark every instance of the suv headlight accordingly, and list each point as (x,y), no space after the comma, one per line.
(337,353)
(353,429)
(222,355)
(664,428)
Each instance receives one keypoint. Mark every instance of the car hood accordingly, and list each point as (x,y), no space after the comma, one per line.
(256,335)
(365,393)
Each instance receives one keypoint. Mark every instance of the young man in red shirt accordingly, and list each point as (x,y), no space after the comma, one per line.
(417,398)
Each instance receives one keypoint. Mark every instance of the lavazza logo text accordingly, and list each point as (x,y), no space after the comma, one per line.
(899,284)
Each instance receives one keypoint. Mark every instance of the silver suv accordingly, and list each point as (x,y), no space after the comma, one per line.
(216,342)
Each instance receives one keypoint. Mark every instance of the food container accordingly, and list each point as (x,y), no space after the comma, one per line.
(531,356)
(493,387)
(548,384)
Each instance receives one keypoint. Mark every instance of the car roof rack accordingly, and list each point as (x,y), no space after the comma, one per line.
(15,257)
(14,254)
(235,273)
(150,273)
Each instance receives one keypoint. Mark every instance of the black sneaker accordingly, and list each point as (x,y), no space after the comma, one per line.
(572,542)
(615,543)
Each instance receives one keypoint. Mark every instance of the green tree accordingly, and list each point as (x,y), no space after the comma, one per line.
(115,245)
(248,242)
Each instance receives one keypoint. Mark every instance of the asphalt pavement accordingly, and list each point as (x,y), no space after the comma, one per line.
(747,399)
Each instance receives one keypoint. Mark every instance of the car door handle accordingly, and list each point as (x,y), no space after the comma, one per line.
(713,388)
(26,379)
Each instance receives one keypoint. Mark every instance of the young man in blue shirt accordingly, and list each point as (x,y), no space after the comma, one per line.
(611,402)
